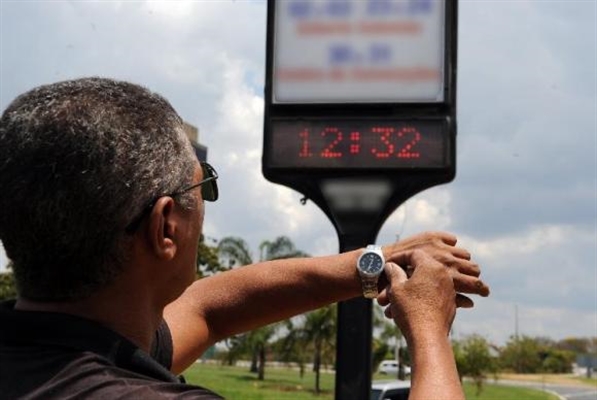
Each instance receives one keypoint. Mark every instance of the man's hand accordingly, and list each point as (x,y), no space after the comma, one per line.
(441,247)
(423,306)
(424,303)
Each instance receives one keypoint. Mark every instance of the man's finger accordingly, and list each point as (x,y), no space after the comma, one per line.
(448,238)
(470,284)
(463,302)
(461,253)
(388,313)
(382,298)
(394,273)
(464,266)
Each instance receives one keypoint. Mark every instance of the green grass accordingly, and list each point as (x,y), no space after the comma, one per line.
(496,392)
(589,381)
(236,383)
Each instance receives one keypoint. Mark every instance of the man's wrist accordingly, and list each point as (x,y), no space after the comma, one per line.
(423,334)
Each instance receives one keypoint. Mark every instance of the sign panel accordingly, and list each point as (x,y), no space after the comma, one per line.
(359,143)
(363,51)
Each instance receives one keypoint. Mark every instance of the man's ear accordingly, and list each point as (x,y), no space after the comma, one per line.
(162,228)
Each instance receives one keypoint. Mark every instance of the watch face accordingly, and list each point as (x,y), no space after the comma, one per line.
(371,263)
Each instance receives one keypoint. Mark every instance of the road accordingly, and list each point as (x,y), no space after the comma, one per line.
(566,392)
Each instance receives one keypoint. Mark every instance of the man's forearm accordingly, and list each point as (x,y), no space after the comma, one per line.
(247,297)
(251,296)
(267,292)
(434,370)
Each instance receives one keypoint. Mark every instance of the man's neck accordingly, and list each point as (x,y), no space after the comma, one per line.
(124,312)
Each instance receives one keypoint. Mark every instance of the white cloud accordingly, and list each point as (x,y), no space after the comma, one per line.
(545,266)
(173,12)
(537,239)
(498,320)
(432,213)
(430,210)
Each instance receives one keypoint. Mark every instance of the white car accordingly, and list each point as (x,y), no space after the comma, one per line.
(390,367)
(390,390)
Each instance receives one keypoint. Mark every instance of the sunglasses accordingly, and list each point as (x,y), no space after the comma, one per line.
(209,192)
(209,187)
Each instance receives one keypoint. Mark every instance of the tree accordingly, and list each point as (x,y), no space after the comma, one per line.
(528,355)
(313,332)
(290,348)
(320,330)
(533,355)
(208,262)
(575,345)
(557,361)
(257,341)
(521,355)
(282,247)
(233,252)
(473,359)
(8,288)
(390,341)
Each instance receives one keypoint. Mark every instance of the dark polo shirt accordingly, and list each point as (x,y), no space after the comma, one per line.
(57,356)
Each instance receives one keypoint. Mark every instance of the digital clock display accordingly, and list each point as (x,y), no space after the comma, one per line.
(359,143)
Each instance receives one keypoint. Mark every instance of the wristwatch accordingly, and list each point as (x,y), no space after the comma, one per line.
(370,264)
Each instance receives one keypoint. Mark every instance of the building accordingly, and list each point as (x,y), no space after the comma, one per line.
(193,134)
(585,365)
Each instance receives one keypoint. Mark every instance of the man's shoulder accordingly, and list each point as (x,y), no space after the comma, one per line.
(50,356)
(93,378)
(89,375)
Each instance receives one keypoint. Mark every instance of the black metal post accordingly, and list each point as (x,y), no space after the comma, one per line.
(354,337)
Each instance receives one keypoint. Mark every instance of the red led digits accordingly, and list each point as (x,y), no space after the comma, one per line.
(355,146)
(304,152)
(385,132)
(329,151)
(410,133)
(364,144)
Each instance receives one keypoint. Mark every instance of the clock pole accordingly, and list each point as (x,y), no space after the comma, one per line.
(365,121)
(354,335)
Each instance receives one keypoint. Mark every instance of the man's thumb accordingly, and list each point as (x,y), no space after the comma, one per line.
(394,273)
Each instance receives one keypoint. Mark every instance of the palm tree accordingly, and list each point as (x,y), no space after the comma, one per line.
(234,251)
(281,247)
(207,258)
(320,329)
(316,331)
(390,334)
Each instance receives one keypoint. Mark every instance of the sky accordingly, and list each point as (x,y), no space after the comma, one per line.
(524,200)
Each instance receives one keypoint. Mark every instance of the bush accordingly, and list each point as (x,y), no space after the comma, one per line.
(7,286)
(473,359)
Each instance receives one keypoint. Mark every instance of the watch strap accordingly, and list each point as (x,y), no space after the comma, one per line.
(369,287)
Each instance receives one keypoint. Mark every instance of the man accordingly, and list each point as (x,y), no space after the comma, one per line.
(101,212)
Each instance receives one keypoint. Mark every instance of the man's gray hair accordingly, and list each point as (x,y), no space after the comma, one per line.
(78,161)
